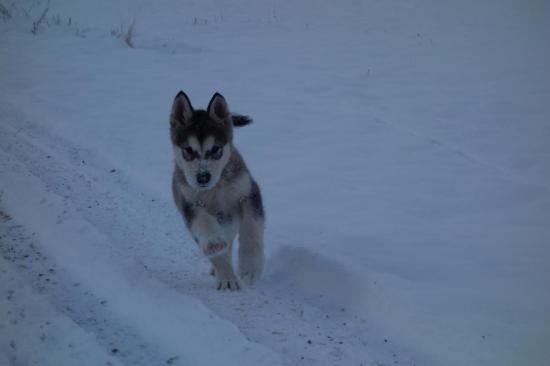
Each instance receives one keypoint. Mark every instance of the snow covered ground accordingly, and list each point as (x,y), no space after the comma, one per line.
(402,147)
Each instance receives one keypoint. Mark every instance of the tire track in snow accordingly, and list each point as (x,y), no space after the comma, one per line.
(69,296)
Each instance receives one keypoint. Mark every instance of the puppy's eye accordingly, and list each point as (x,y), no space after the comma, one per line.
(215,152)
(188,153)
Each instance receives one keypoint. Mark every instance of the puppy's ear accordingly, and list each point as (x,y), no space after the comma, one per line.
(182,111)
(218,109)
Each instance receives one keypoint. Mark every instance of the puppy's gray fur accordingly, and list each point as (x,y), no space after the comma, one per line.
(214,190)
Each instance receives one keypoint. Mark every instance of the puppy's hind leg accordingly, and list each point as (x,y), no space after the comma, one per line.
(251,241)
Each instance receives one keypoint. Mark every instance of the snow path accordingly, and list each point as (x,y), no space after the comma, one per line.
(159,267)
(59,223)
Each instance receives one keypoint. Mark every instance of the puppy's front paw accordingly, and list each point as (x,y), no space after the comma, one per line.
(214,248)
(228,284)
(250,268)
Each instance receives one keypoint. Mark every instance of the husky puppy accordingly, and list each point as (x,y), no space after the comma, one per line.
(214,191)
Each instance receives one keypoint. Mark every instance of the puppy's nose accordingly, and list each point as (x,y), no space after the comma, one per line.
(203,178)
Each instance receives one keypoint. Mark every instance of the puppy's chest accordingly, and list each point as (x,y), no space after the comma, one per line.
(223,204)
(224,209)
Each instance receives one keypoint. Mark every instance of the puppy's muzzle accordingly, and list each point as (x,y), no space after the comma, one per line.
(203,178)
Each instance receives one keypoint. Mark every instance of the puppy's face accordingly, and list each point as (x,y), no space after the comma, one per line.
(201,140)
(202,161)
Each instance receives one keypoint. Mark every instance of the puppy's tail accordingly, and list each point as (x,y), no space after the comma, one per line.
(239,120)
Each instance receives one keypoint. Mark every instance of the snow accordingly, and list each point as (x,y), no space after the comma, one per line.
(401,148)
(34,333)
